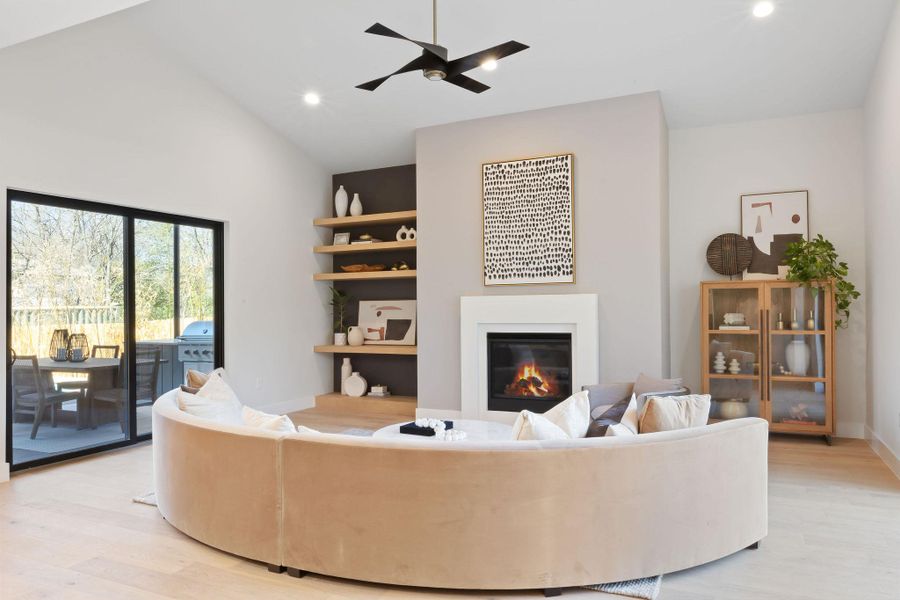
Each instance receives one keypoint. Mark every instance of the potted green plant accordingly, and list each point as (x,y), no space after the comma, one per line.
(815,263)
(339,301)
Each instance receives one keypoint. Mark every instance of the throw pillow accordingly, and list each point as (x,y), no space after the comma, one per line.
(261,420)
(305,429)
(572,415)
(189,390)
(214,400)
(646,384)
(618,419)
(604,395)
(196,379)
(532,426)
(674,412)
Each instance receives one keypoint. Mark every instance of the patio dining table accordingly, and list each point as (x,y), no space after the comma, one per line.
(101,374)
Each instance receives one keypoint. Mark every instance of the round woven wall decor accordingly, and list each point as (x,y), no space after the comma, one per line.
(729,254)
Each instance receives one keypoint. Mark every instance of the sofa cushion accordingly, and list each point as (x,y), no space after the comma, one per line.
(646,384)
(214,400)
(572,415)
(195,379)
(532,426)
(618,419)
(666,413)
(260,420)
(606,394)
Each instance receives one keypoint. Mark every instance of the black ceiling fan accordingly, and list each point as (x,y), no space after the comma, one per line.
(434,64)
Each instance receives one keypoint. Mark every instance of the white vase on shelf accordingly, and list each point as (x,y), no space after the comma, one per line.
(346,371)
(355,336)
(797,356)
(356,207)
(719,363)
(356,385)
(341,202)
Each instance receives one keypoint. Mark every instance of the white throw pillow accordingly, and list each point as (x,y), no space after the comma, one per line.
(260,420)
(215,400)
(572,415)
(305,429)
(630,418)
(532,426)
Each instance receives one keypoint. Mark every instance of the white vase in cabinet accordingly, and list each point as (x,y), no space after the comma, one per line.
(356,207)
(341,202)
(797,356)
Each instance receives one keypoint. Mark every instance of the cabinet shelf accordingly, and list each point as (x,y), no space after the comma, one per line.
(730,376)
(361,248)
(733,332)
(797,332)
(798,378)
(402,216)
(366,275)
(367,349)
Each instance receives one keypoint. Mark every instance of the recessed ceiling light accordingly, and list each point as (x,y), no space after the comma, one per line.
(311,98)
(489,65)
(763,9)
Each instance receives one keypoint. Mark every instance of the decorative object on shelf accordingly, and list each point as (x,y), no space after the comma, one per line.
(797,356)
(59,345)
(811,322)
(413,234)
(780,324)
(734,322)
(424,426)
(388,321)
(771,222)
(78,348)
(798,414)
(734,367)
(365,238)
(814,263)
(733,408)
(400,266)
(795,324)
(339,301)
(356,385)
(340,202)
(402,234)
(341,239)
(528,221)
(362,268)
(379,391)
(346,371)
(729,254)
(340,339)
(355,336)
(719,363)
(356,207)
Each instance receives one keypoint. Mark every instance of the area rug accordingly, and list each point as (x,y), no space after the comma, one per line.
(149,499)
(647,587)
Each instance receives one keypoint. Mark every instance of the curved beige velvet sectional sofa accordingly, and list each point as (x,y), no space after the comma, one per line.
(469,515)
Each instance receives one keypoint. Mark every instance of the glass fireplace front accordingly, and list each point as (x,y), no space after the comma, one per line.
(531,371)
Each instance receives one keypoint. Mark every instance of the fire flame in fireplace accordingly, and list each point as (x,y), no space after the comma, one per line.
(530,382)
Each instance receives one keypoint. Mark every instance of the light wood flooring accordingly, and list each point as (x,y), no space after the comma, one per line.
(71,531)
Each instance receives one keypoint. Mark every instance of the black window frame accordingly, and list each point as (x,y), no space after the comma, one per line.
(129,215)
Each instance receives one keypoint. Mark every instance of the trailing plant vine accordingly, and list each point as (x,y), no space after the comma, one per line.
(815,263)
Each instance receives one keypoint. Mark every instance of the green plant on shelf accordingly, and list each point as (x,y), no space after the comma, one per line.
(815,263)
(339,302)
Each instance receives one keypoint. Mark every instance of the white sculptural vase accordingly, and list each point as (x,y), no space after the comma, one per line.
(356,207)
(341,202)
(797,356)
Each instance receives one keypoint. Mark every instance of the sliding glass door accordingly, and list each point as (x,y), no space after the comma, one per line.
(107,309)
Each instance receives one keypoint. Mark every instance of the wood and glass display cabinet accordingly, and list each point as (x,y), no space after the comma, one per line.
(767,350)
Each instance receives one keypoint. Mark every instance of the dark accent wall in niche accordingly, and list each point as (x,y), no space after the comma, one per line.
(380,190)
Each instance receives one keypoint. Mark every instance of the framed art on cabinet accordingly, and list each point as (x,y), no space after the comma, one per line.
(528,221)
(771,222)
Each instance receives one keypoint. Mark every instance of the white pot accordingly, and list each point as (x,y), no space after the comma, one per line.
(355,336)
(797,356)
(341,202)
(340,339)
(356,385)
(356,208)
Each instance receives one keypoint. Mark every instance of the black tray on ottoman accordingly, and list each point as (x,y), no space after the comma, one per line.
(413,429)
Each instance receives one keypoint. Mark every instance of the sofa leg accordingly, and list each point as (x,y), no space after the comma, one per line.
(552,592)
(296,572)
(275,568)
(753,546)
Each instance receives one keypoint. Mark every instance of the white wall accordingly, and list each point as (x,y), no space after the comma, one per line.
(98,112)
(710,167)
(882,153)
(620,197)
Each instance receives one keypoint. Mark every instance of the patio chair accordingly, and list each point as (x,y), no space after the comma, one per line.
(147,371)
(33,392)
(82,384)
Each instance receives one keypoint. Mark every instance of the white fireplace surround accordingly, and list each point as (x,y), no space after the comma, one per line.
(559,313)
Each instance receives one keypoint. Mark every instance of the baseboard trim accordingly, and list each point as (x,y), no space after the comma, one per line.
(288,406)
(437,413)
(851,430)
(883,451)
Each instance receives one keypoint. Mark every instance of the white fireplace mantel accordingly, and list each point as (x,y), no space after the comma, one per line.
(559,313)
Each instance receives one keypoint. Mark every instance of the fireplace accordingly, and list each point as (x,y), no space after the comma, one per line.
(530,371)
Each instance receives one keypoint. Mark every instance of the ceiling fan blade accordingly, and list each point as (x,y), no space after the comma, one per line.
(467,83)
(379,29)
(414,65)
(466,63)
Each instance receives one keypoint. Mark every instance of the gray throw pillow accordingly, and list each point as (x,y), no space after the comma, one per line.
(612,416)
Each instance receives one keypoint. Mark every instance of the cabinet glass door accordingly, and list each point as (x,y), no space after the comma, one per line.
(799,349)
(732,350)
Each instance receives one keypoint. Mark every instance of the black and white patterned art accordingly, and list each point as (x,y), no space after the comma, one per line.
(528,229)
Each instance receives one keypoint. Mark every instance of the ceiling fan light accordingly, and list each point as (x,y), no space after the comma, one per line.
(489,65)
(434,74)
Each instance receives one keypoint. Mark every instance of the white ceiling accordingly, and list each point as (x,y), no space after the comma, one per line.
(22,20)
(711,60)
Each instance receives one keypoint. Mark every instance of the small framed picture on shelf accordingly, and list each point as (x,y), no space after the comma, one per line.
(341,239)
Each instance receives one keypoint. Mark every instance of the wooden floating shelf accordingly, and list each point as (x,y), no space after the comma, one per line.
(365,275)
(360,248)
(403,406)
(388,218)
(730,376)
(367,349)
